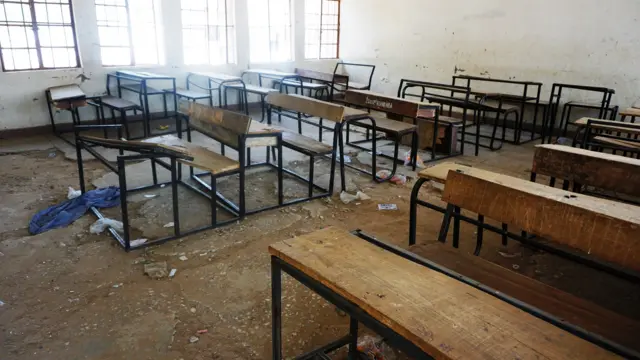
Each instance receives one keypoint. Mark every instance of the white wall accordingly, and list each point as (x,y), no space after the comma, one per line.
(22,98)
(589,42)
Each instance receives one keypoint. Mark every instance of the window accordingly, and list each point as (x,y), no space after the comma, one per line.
(37,34)
(128,32)
(269,30)
(322,29)
(208,32)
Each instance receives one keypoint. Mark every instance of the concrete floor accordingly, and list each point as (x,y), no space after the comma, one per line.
(69,294)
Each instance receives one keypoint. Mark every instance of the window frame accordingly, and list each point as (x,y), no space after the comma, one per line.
(231,52)
(292,36)
(160,51)
(320,43)
(36,35)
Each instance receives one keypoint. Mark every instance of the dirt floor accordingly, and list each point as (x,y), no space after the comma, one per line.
(69,294)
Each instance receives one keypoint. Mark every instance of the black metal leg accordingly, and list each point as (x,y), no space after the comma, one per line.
(80,164)
(125,122)
(276,310)
(337,129)
(311,166)
(164,103)
(456,227)
(505,239)
(262,105)
(123,203)
(446,220)
(343,180)
(214,208)
(353,345)
(413,212)
(280,185)
(479,235)
(174,194)
(320,130)
(154,171)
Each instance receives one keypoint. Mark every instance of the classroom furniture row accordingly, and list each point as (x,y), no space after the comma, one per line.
(437,302)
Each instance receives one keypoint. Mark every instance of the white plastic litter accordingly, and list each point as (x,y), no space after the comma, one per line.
(137,242)
(150,196)
(99,226)
(348,198)
(387,207)
(169,225)
(72,194)
(172,273)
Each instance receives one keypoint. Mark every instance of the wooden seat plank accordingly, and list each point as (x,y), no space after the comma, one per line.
(574,310)
(137,87)
(252,88)
(294,139)
(203,158)
(357,85)
(606,230)
(387,125)
(442,316)
(217,76)
(119,103)
(586,104)
(617,142)
(352,113)
(305,84)
(307,105)
(66,93)
(610,125)
(190,94)
(439,172)
(389,104)
(495,105)
(630,112)
(591,168)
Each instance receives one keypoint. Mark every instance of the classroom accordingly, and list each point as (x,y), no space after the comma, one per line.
(319,179)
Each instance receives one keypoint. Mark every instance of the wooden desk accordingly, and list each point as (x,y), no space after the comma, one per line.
(604,229)
(270,73)
(611,125)
(605,171)
(66,93)
(435,314)
(218,77)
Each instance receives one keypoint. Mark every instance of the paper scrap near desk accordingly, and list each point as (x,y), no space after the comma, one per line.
(387,207)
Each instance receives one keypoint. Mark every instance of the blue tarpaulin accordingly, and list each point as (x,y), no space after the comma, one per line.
(61,215)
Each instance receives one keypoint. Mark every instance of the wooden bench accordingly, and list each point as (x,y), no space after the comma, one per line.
(324,110)
(590,168)
(404,117)
(416,306)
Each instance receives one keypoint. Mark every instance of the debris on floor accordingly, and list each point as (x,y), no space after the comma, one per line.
(173,273)
(193,339)
(373,348)
(72,193)
(100,225)
(348,198)
(157,270)
(183,258)
(63,214)
(387,207)
(508,255)
(169,225)
(419,162)
(137,242)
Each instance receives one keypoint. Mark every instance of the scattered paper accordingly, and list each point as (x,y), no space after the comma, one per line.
(347,198)
(150,196)
(173,272)
(183,258)
(169,225)
(387,207)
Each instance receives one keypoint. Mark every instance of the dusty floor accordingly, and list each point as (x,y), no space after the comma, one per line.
(68,294)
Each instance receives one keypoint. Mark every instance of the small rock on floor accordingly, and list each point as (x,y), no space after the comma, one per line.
(156,270)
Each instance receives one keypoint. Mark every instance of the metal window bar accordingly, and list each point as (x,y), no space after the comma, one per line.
(210,27)
(325,25)
(35,18)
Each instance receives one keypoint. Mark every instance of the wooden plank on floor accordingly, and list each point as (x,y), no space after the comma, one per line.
(442,316)
(591,168)
(607,230)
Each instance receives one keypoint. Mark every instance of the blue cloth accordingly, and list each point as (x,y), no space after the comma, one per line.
(61,215)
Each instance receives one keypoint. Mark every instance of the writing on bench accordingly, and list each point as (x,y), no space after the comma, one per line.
(378,103)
